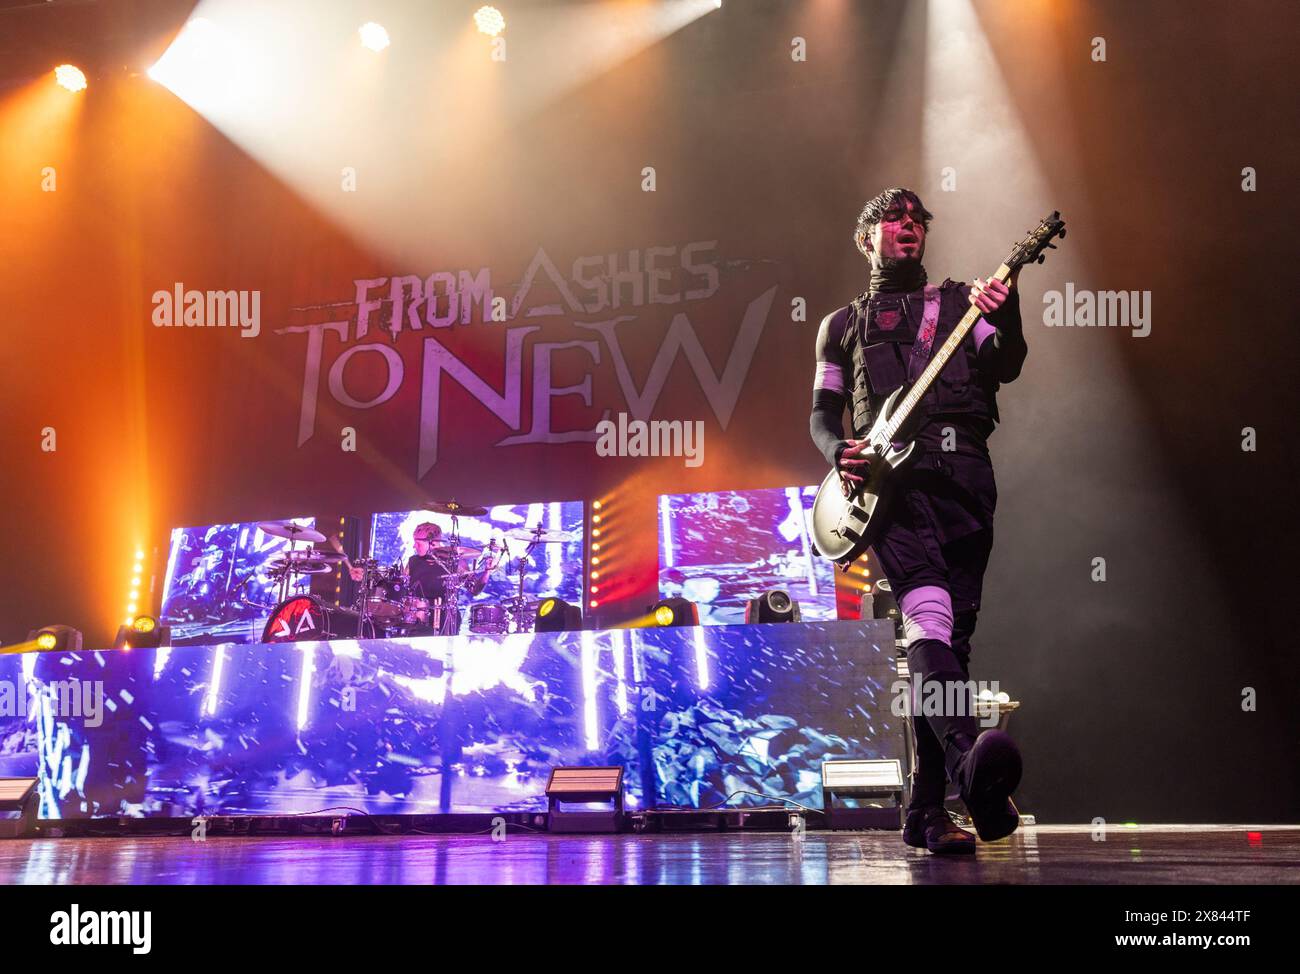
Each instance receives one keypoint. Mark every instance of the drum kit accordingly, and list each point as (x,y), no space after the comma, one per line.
(387,603)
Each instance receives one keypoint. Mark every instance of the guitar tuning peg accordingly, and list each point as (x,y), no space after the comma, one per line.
(1041,258)
(1051,246)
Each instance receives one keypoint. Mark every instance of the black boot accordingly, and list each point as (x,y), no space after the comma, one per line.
(929,773)
(931,828)
(987,774)
(986,767)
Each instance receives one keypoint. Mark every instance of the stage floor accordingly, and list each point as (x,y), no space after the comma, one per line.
(1171,854)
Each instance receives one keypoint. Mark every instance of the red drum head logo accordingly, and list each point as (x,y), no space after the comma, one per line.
(298,618)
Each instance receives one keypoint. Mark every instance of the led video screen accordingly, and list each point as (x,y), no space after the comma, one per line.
(461,723)
(552,569)
(217,589)
(721,549)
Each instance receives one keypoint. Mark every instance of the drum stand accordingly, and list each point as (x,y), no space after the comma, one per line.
(517,603)
(365,627)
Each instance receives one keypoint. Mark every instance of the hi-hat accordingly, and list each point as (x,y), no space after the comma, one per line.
(290,531)
(299,566)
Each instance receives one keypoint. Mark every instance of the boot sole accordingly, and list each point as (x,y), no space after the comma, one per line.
(915,841)
(953,849)
(994,776)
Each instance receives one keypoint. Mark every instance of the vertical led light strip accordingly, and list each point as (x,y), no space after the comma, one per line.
(589,714)
(214,682)
(304,683)
(555,567)
(638,671)
(177,535)
(666,546)
(794,495)
(620,670)
(701,657)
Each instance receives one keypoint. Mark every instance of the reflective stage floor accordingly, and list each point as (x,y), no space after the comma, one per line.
(1035,855)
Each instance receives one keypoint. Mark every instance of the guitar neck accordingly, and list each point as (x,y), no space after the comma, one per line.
(938,360)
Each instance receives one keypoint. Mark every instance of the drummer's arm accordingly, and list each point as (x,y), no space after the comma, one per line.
(480,580)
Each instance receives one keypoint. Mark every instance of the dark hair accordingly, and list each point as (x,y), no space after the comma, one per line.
(876,208)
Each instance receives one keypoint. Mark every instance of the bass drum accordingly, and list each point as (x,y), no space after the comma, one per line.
(304,618)
(488,617)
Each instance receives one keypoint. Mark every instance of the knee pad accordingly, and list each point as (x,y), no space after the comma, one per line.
(927,614)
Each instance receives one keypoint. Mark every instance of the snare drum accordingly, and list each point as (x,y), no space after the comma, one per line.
(488,617)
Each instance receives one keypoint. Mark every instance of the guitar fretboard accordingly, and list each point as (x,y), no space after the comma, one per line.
(937,361)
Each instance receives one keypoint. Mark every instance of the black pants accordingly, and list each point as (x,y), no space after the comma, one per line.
(913,553)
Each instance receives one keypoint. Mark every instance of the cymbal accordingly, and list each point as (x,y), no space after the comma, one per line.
(540,536)
(455,507)
(290,531)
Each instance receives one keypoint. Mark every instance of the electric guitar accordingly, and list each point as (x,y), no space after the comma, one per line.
(847,519)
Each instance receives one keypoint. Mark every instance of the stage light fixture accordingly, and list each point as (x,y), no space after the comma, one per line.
(18,805)
(881,604)
(585,785)
(70,76)
(59,638)
(556,615)
(373,36)
(859,779)
(142,632)
(676,612)
(773,606)
(489,21)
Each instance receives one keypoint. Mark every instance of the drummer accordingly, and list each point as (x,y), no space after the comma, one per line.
(426,570)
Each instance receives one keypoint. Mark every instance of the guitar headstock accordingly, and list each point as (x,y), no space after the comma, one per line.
(1032,248)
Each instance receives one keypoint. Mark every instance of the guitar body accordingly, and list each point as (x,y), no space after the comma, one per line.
(844,526)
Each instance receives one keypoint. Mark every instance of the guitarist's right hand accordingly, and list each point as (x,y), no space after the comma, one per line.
(854,460)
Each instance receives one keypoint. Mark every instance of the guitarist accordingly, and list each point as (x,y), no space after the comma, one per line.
(938,531)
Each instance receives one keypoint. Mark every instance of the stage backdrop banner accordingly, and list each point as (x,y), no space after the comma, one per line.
(455,724)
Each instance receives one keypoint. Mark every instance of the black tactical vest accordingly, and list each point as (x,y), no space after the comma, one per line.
(877,339)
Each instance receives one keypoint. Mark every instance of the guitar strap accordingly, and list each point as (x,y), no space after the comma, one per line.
(924,343)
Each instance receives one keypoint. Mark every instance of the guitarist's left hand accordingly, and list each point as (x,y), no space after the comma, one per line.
(991,294)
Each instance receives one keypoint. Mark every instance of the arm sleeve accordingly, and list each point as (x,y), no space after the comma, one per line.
(826,424)
(1002,349)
